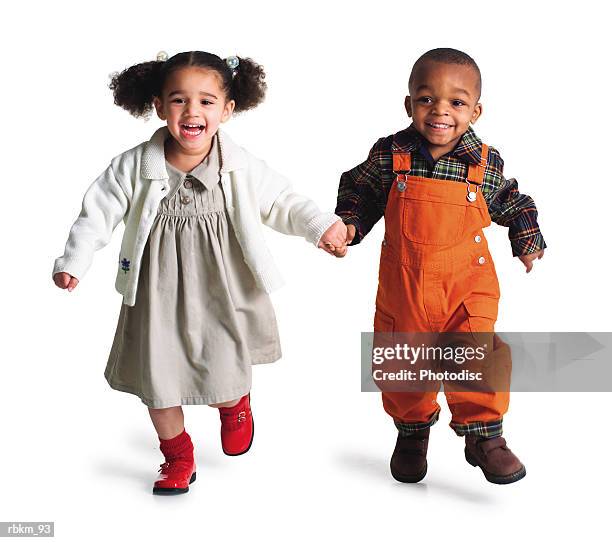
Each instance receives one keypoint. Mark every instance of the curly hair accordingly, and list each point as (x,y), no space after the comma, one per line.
(135,87)
(446,55)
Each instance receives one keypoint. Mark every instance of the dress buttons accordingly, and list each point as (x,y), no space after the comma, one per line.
(185,200)
(188,184)
(482,260)
(477,239)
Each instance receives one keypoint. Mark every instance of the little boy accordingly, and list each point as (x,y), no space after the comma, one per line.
(437,186)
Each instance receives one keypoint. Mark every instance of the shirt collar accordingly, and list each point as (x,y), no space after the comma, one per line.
(468,149)
(153,165)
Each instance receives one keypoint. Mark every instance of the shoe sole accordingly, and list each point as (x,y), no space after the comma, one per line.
(496,479)
(172,491)
(409,478)
(250,442)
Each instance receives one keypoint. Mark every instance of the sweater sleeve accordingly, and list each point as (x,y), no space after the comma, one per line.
(289,212)
(104,205)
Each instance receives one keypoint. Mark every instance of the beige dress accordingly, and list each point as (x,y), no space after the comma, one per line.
(199,320)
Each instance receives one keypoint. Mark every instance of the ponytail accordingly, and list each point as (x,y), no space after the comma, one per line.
(135,87)
(248,86)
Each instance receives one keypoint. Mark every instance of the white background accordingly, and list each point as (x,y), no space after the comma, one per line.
(76,452)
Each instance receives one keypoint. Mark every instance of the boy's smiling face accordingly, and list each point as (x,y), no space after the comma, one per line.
(443,102)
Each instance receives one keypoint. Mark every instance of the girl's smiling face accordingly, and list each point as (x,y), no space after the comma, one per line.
(194,104)
(443,102)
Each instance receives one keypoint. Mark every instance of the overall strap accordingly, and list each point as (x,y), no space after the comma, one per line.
(476,171)
(402,162)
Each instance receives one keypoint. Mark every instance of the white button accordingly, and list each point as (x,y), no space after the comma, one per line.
(482,260)
(185,200)
(188,184)
(477,239)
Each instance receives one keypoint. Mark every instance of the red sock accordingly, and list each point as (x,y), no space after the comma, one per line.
(179,446)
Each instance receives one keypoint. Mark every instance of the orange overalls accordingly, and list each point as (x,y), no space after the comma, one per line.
(437,275)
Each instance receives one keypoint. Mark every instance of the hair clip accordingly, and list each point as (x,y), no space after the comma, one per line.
(162,56)
(232,64)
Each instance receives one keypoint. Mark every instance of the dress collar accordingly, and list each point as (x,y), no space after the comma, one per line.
(206,172)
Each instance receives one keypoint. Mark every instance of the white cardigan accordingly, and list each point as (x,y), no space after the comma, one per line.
(136,181)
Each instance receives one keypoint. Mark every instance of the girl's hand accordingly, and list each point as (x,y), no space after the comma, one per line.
(350,234)
(528,259)
(334,239)
(65,280)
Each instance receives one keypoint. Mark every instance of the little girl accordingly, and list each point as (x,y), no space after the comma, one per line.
(194,269)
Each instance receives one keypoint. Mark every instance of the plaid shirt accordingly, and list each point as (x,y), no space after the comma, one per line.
(363,191)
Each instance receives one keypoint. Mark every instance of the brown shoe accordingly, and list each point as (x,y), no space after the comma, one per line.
(409,460)
(497,462)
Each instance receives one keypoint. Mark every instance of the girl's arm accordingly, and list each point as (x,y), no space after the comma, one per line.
(104,205)
(287,211)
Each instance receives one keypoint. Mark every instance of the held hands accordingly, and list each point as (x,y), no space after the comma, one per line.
(333,241)
(336,238)
(350,234)
(65,280)
(528,259)
(333,238)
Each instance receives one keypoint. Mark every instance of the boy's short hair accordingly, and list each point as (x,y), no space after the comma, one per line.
(446,55)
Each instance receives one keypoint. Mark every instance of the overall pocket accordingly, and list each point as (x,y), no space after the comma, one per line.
(383,322)
(432,217)
(482,314)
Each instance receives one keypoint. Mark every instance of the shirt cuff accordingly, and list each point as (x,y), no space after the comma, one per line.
(358,230)
(528,244)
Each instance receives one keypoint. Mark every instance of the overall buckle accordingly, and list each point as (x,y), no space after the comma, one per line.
(471,195)
(401,183)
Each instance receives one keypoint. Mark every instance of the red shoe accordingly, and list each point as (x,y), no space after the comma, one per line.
(176,476)
(237,427)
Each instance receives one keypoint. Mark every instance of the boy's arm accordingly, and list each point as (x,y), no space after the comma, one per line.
(104,205)
(508,207)
(361,197)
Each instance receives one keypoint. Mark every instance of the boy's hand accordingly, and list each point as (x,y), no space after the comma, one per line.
(65,280)
(333,239)
(528,259)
